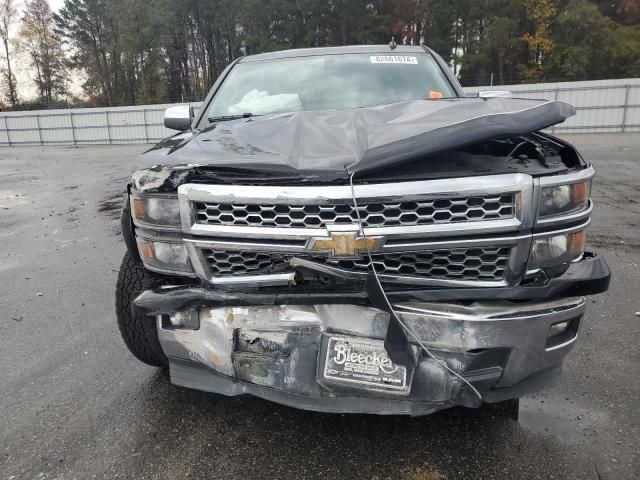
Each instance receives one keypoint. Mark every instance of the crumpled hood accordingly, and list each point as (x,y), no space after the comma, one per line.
(357,140)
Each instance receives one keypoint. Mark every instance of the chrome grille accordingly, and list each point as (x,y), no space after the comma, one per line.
(407,213)
(230,262)
(486,264)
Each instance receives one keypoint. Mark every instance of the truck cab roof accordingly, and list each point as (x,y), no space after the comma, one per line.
(308,52)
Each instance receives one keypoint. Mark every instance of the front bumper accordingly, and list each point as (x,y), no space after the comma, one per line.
(277,352)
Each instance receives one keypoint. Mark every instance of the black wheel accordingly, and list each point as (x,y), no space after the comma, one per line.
(139,333)
(506,409)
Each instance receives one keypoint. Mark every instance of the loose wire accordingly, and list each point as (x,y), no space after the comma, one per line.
(391,309)
(510,154)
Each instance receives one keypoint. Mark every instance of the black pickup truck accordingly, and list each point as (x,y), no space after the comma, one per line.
(344,230)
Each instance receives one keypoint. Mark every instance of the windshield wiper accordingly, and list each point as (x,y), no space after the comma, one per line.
(225,118)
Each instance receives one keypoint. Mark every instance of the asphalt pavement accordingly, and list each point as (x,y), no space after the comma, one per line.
(75,404)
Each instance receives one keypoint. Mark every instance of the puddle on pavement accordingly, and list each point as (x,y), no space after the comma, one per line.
(560,417)
(111,206)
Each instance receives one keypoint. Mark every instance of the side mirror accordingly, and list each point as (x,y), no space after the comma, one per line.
(495,93)
(179,117)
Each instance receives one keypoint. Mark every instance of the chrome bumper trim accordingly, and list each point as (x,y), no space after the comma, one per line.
(276,279)
(481,311)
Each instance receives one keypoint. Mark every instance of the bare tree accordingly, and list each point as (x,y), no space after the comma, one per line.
(8,14)
(44,46)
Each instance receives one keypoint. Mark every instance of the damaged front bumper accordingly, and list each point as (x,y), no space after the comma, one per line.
(279,352)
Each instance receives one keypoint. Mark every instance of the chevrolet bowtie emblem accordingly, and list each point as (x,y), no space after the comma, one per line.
(345,244)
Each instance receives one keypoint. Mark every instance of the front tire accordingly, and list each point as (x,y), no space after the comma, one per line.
(140,333)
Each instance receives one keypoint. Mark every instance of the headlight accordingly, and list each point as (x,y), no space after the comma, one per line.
(155,210)
(554,253)
(563,199)
(164,256)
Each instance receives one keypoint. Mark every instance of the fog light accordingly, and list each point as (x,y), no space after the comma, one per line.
(558,328)
(188,320)
(562,333)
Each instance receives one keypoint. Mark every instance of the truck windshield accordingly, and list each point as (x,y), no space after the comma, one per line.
(329,82)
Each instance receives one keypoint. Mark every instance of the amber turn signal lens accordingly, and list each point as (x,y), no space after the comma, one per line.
(577,242)
(146,250)
(580,192)
(137,207)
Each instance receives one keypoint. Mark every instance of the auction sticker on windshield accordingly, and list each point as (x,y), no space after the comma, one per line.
(401,59)
(363,362)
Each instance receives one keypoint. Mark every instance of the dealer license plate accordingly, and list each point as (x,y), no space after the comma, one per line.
(362,362)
